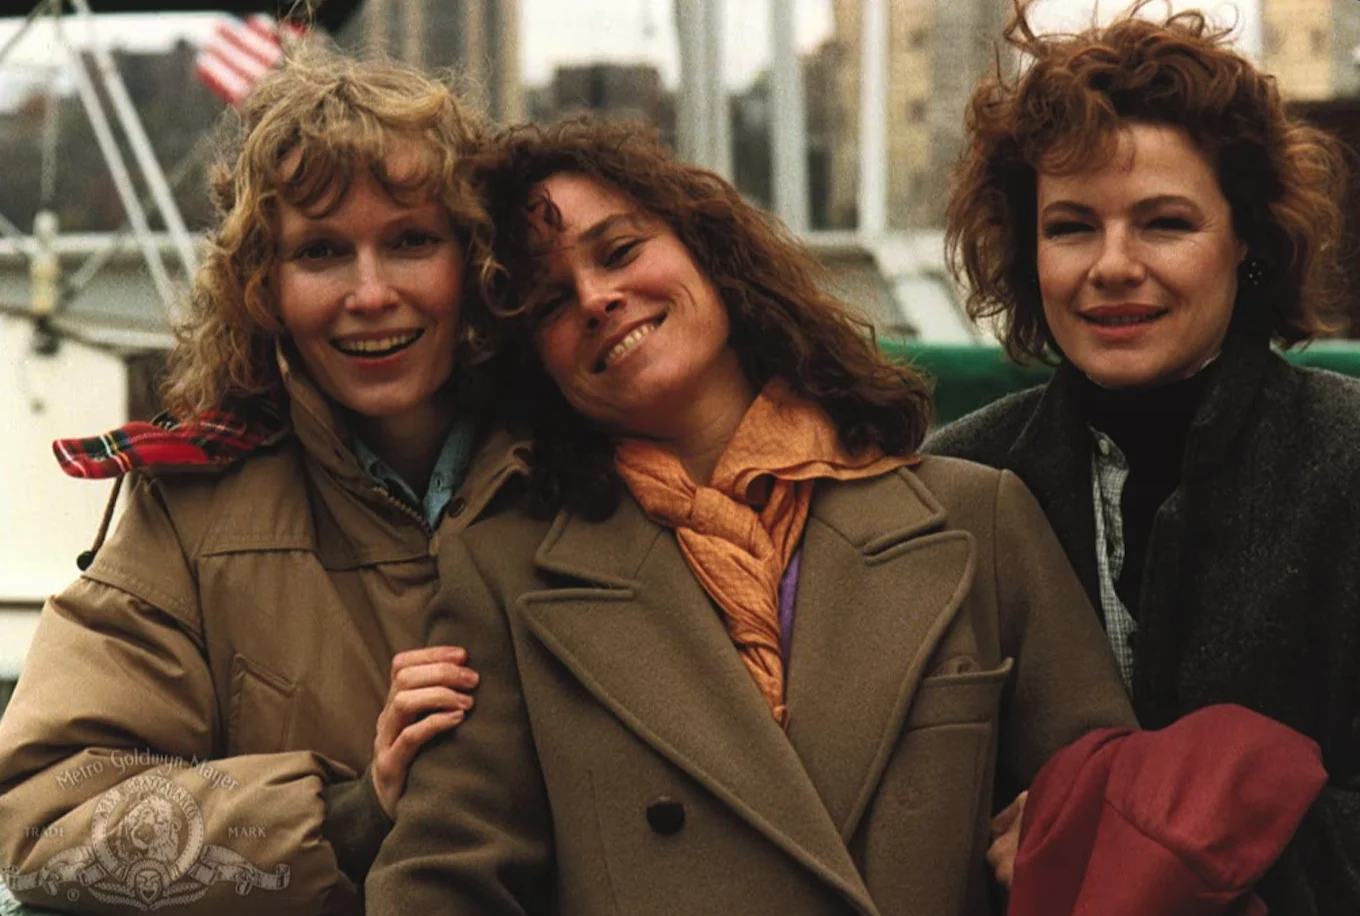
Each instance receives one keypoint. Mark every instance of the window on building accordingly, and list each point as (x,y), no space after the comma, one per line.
(1318,40)
(916,188)
(1274,41)
(918,39)
(916,111)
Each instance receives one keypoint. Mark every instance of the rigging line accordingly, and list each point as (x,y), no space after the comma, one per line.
(9,230)
(32,17)
(120,239)
(122,180)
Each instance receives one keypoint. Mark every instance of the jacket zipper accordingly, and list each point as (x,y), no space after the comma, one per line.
(414,515)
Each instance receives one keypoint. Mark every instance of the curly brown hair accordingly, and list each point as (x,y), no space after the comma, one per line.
(1283,179)
(783,323)
(338,118)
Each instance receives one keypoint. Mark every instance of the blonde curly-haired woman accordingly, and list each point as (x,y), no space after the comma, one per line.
(245,647)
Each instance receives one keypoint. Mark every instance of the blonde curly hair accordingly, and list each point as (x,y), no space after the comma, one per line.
(335,118)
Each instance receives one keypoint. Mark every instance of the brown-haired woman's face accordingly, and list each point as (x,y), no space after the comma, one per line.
(1138,259)
(632,331)
(369,294)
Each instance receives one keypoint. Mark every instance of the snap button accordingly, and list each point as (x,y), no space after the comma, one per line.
(666,816)
(457,506)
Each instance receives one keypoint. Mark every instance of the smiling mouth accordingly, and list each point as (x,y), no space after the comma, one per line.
(635,337)
(378,347)
(1123,319)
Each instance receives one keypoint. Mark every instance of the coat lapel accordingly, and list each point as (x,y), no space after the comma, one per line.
(638,631)
(1052,455)
(879,585)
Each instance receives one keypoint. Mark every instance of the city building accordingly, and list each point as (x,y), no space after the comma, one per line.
(937,51)
(478,39)
(1310,47)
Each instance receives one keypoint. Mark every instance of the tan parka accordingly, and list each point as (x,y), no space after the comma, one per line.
(197,710)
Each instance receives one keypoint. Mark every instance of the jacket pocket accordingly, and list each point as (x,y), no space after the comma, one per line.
(260,718)
(929,815)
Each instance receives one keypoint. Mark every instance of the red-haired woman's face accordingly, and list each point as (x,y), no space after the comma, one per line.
(633,333)
(1137,260)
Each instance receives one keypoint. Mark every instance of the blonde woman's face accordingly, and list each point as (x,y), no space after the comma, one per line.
(1138,260)
(369,294)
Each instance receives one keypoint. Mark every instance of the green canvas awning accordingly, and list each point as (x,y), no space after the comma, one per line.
(967,377)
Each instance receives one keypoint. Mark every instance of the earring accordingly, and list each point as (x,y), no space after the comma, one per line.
(1254,272)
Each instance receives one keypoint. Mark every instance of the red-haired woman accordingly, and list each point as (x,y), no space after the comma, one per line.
(1139,206)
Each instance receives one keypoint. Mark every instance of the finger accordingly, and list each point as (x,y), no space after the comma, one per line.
(410,705)
(435,674)
(414,737)
(407,706)
(391,762)
(428,655)
(1003,819)
(1001,857)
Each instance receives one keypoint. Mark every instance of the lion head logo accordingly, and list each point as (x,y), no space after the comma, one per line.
(150,830)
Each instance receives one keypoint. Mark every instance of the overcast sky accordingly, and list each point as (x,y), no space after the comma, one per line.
(555,32)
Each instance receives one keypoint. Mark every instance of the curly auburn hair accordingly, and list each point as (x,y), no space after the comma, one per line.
(783,323)
(1283,179)
(337,118)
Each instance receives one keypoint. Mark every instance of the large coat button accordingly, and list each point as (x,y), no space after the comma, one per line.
(666,816)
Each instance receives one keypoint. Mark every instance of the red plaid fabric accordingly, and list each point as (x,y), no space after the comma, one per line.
(214,438)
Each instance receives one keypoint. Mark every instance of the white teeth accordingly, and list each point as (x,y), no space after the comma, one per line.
(1120,320)
(634,338)
(376,344)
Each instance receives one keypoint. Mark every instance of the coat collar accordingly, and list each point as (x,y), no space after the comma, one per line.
(1247,366)
(1052,454)
(645,639)
(381,531)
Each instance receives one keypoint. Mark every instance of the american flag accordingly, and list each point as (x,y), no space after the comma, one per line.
(239,53)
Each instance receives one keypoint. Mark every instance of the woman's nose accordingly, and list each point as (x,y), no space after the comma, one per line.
(371,287)
(598,301)
(1118,263)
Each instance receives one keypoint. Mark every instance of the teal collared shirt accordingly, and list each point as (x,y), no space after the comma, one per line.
(449,471)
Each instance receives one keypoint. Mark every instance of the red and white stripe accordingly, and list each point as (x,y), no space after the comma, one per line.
(240,53)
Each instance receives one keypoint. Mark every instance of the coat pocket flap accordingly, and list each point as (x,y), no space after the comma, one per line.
(972,696)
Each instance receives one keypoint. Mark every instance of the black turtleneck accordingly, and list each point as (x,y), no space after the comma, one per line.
(1150,426)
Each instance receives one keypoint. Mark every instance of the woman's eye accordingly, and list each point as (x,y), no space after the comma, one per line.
(416,238)
(620,252)
(317,250)
(1064,227)
(1171,223)
(549,307)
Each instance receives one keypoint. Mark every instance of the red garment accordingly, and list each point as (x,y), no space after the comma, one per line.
(215,437)
(1177,822)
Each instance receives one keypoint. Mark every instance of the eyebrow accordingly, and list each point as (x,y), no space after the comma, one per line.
(602,228)
(1143,206)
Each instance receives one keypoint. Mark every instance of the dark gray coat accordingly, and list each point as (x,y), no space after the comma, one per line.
(1251,589)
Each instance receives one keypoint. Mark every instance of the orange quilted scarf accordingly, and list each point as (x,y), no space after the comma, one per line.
(739,532)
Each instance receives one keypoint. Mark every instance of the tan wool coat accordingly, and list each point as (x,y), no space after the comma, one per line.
(197,710)
(620,759)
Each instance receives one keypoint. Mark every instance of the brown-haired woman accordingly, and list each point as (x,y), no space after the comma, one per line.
(662,727)
(1139,205)
(225,703)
